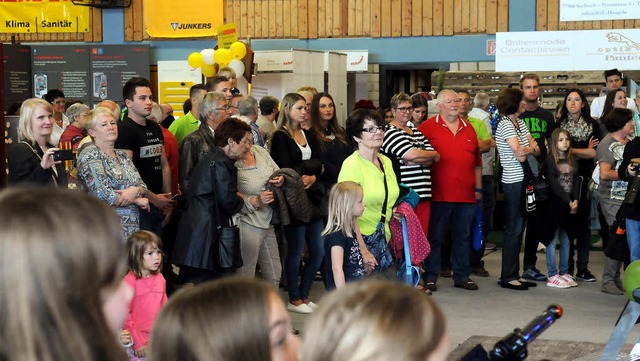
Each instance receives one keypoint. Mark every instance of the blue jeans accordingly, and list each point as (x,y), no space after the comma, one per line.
(561,235)
(296,236)
(514,225)
(454,219)
(633,238)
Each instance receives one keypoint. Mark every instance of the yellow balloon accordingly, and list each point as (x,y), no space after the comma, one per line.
(195,60)
(208,70)
(222,56)
(238,50)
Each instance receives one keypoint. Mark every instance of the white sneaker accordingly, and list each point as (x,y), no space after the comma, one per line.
(557,282)
(635,352)
(312,305)
(303,308)
(541,247)
(570,280)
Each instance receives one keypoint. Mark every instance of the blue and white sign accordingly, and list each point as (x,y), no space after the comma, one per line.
(568,50)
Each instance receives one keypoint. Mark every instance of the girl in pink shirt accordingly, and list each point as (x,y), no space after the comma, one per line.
(145,264)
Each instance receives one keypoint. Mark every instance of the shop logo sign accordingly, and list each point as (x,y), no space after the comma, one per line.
(174,26)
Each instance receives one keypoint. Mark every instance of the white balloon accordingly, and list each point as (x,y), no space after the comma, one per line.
(237,66)
(207,56)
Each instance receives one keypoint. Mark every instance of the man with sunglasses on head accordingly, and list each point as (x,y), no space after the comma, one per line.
(457,187)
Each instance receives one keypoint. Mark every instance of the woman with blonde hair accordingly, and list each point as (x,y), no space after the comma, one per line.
(61,292)
(297,148)
(232,319)
(31,159)
(376,320)
(109,174)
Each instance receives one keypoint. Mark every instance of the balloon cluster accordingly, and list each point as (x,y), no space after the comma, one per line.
(207,59)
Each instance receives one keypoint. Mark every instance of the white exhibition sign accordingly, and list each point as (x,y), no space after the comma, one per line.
(273,61)
(568,50)
(357,60)
(588,10)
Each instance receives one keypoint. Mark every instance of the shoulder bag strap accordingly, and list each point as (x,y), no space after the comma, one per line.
(383,216)
(53,167)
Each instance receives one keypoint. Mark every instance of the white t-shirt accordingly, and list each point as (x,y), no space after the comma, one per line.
(597,106)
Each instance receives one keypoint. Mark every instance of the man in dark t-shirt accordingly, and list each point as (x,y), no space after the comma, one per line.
(143,141)
(540,122)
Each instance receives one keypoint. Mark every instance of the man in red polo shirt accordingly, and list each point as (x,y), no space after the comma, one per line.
(457,186)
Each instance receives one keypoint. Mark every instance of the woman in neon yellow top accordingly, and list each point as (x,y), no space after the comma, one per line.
(369,168)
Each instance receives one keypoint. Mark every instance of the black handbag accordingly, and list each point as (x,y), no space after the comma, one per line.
(229,252)
(535,176)
(377,242)
(617,247)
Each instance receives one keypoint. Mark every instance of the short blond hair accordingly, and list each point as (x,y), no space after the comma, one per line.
(374,321)
(94,114)
(26,113)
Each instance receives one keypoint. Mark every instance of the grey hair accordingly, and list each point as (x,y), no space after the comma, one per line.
(76,109)
(209,104)
(445,91)
(247,105)
(481,100)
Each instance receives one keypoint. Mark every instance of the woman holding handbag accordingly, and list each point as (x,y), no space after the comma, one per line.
(213,189)
(296,148)
(374,172)
(514,143)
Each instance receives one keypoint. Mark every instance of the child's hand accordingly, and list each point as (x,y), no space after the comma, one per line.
(125,337)
(573,205)
(140,352)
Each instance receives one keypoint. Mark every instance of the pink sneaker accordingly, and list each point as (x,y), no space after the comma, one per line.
(557,282)
(567,277)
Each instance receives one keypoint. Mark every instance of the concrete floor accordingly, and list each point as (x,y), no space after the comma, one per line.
(589,314)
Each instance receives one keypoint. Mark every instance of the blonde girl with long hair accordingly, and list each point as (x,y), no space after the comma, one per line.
(342,236)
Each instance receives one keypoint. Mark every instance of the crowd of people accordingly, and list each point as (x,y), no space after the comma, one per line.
(300,194)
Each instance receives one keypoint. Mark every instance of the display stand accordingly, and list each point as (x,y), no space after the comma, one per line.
(628,318)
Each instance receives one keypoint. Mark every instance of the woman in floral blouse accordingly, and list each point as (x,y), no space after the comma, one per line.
(109,174)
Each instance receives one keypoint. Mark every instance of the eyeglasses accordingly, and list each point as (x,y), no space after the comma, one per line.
(373,130)
(405,110)
(224,107)
(58,102)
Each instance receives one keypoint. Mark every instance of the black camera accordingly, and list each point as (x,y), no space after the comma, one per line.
(66,154)
(513,347)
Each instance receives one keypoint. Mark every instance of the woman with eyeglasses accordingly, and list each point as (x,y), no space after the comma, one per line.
(411,154)
(374,172)
(56,98)
(297,148)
